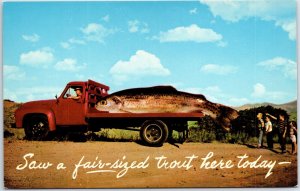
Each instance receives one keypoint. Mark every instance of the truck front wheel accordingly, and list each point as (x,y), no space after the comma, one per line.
(36,127)
(154,132)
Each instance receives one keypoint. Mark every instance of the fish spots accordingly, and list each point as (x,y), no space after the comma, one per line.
(184,104)
(117,100)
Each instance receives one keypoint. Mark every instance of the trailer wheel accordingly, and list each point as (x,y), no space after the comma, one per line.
(154,132)
(36,127)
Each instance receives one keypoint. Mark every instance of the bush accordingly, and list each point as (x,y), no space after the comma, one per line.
(202,131)
(244,128)
(201,135)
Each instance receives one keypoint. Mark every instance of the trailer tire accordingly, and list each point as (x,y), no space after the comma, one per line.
(154,132)
(36,127)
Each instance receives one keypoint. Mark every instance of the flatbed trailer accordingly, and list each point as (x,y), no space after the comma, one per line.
(38,118)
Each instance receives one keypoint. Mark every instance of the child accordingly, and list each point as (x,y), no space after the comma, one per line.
(261,127)
(269,132)
(282,127)
(293,131)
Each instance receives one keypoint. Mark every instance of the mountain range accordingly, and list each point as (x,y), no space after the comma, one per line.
(290,107)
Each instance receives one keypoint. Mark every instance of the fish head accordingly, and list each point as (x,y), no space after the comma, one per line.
(110,104)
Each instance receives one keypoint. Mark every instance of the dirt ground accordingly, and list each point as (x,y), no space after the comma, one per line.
(146,172)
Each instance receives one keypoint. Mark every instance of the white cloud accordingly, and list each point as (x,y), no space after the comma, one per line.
(233,10)
(218,69)
(259,90)
(258,94)
(279,11)
(288,26)
(137,26)
(133,26)
(192,33)
(96,32)
(68,44)
(288,67)
(65,45)
(76,41)
(237,101)
(215,94)
(92,28)
(68,64)
(13,73)
(36,58)
(105,18)
(193,11)
(222,44)
(8,94)
(141,64)
(31,38)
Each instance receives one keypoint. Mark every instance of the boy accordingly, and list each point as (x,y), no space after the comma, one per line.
(282,125)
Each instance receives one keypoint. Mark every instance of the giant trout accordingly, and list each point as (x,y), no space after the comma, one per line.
(165,99)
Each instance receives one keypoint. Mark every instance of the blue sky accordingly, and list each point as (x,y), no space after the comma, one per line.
(233,52)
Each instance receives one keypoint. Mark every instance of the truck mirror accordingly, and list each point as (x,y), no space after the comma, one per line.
(56,98)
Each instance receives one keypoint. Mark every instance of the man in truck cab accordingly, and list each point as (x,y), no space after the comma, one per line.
(78,95)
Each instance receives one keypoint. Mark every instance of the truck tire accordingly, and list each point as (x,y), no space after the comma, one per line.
(36,127)
(154,132)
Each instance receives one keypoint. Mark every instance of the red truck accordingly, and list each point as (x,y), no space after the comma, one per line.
(39,118)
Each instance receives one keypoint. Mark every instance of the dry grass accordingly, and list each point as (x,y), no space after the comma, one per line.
(9,118)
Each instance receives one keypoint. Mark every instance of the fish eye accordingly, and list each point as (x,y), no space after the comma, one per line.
(103,102)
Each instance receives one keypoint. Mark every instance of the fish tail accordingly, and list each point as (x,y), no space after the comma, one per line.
(228,112)
(225,117)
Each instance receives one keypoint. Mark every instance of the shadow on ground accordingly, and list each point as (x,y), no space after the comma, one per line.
(255,147)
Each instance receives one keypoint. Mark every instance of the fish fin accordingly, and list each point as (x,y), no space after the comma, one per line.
(146,90)
(197,111)
(164,88)
(125,111)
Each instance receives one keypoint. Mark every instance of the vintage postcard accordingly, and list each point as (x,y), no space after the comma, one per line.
(150,94)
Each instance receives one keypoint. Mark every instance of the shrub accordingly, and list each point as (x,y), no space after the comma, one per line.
(244,128)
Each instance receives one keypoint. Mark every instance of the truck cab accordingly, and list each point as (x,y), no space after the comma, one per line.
(38,118)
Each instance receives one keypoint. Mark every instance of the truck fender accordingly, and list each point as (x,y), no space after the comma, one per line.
(49,113)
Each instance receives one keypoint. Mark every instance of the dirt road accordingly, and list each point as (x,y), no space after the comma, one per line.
(181,168)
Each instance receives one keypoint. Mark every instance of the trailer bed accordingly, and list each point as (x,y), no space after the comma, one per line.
(93,113)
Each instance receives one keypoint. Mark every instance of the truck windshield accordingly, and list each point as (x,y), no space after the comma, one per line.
(74,91)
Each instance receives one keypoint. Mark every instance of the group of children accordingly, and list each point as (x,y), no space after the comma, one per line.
(266,127)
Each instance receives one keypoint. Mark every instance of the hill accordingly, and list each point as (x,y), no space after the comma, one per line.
(290,107)
(9,108)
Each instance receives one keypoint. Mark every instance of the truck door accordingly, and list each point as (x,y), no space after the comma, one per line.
(70,107)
